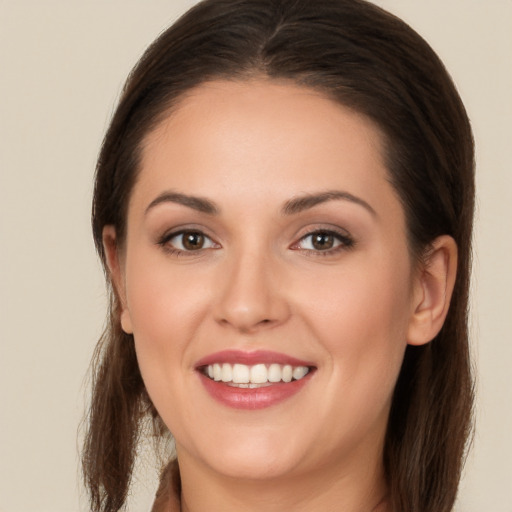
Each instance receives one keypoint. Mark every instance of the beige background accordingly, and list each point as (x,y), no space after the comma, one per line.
(62,63)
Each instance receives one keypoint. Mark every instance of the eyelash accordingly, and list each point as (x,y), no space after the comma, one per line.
(164,242)
(345,242)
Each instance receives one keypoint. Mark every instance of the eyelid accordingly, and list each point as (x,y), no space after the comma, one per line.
(345,240)
(164,241)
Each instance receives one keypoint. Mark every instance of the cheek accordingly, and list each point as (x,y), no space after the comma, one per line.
(165,308)
(163,301)
(361,314)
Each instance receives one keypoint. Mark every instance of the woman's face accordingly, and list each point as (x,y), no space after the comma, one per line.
(265,243)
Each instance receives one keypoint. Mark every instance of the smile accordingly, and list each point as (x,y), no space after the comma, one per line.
(259,375)
(231,379)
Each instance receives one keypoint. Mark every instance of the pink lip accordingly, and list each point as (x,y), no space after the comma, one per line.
(250,358)
(255,398)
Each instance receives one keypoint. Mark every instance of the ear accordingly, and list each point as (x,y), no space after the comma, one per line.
(115,267)
(433,291)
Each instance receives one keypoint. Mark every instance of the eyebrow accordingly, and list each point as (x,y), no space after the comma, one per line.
(196,203)
(305,202)
(291,207)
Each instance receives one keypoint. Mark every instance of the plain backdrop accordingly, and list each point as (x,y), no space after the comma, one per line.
(62,65)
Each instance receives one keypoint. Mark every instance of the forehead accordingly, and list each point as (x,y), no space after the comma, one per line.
(282,109)
(263,136)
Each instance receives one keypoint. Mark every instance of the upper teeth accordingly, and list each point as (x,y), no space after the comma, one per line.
(256,374)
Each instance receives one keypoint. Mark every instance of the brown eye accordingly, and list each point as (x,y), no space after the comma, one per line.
(187,241)
(192,241)
(322,241)
(327,242)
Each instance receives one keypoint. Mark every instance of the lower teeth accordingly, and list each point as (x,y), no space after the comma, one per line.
(249,385)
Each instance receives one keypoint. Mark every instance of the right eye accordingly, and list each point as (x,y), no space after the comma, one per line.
(187,241)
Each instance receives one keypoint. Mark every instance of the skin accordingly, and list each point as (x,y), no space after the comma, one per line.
(259,283)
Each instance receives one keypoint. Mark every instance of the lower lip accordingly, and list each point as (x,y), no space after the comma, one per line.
(255,398)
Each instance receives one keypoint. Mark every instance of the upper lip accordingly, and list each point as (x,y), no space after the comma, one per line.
(250,358)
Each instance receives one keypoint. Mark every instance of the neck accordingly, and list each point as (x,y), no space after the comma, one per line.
(326,489)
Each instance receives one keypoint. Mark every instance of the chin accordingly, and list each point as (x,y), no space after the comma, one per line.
(250,455)
(247,465)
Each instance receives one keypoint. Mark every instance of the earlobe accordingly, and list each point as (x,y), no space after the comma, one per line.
(433,291)
(112,255)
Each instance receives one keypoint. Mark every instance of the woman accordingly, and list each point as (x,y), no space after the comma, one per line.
(283,206)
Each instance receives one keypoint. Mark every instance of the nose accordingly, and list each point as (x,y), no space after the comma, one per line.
(251,296)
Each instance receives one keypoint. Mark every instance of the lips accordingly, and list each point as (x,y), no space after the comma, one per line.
(253,380)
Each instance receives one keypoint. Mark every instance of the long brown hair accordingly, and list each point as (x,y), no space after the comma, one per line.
(369,60)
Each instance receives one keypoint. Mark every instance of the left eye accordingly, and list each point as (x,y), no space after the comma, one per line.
(323,241)
(190,241)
